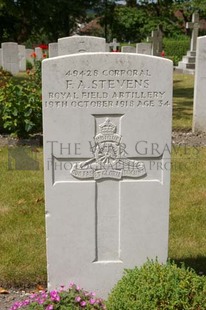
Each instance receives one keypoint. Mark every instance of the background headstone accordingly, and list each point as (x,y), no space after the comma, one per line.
(22,57)
(53,49)
(128,49)
(10,57)
(144,48)
(156,41)
(80,44)
(107,130)
(39,54)
(114,45)
(29,53)
(199,112)
(1,62)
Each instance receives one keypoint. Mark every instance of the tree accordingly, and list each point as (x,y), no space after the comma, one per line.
(53,19)
(128,24)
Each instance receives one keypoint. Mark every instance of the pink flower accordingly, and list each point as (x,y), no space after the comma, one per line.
(83,303)
(77,299)
(54,296)
(49,307)
(92,301)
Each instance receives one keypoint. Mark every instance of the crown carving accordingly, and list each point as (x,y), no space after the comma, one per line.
(107,127)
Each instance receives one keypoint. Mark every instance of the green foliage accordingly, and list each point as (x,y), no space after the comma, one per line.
(20,105)
(29,65)
(4,77)
(128,24)
(176,48)
(156,286)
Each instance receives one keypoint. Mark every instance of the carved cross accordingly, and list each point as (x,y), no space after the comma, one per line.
(108,169)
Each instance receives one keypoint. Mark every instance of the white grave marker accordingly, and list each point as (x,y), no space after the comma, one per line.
(29,55)
(1,61)
(199,113)
(114,45)
(128,49)
(22,57)
(80,44)
(39,54)
(107,131)
(53,49)
(144,48)
(10,57)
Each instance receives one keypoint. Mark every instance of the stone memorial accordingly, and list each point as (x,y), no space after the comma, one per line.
(114,46)
(39,53)
(10,57)
(29,57)
(199,111)
(187,64)
(80,44)
(1,61)
(128,49)
(107,135)
(156,42)
(144,48)
(53,49)
(22,57)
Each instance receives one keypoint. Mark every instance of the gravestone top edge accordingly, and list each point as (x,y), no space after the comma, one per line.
(81,37)
(115,55)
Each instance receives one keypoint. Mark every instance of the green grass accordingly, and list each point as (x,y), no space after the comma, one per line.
(187,241)
(22,238)
(183,102)
(22,223)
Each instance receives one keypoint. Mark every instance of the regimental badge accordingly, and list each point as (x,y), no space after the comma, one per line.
(109,160)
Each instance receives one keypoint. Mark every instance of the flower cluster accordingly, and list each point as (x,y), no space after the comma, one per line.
(73,297)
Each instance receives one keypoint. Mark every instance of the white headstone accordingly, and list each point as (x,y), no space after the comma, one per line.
(80,44)
(128,49)
(144,48)
(22,57)
(1,62)
(10,57)
(53,49)
(39,53)
(107,130)
(30,55)
(114,45)
(199,113)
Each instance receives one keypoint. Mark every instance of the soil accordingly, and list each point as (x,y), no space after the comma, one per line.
(11,295)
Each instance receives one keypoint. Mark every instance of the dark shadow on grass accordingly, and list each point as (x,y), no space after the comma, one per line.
(197,263)
(183,92)
(183,110)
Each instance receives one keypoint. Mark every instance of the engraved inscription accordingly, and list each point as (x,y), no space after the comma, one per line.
(108,89)
(109,159)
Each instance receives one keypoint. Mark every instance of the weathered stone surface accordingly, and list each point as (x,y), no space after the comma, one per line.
(22,57)
(53,49)
(80,44)
(107,134)
(144,48)
(199,112)
(128,49)
(10,57)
